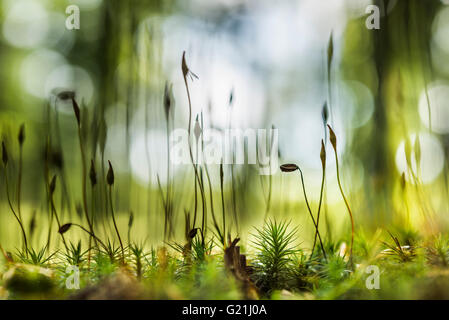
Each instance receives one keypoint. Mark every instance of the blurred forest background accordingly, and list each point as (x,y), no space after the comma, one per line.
(384,88)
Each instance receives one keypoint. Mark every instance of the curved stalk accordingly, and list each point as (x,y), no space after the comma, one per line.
(19,183)
(347,206)
(319,207)
(14,213)
(333,139)
(92,235)
(311,214)
(115,224)
(190,145)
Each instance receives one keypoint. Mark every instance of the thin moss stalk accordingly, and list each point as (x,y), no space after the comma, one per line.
(93,183)
(330,55)
(311,214)
(110,180)
(195,208)
(187,72)
(222,200)
(53,209)
(65,227)
(333,139)
(19,221)
(168,206)
(323,165)
(76,110)
(21,138)
(292,168)
(47,189)
(198,133)
(270,179)
(221,234)
(325,118)
(203,201)
(130,225)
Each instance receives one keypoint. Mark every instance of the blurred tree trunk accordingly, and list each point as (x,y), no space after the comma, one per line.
(401,44)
